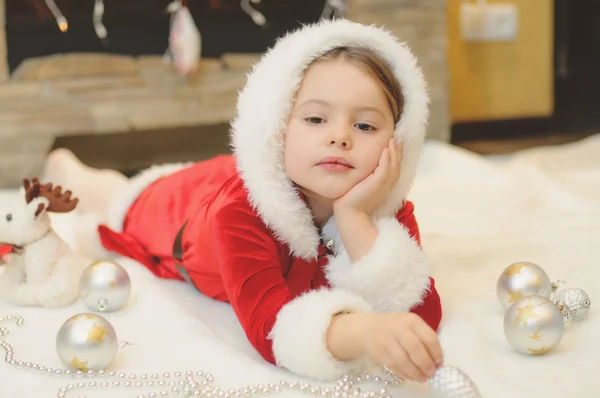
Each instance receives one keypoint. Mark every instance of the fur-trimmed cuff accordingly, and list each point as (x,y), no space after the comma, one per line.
(392,277)
(299,334)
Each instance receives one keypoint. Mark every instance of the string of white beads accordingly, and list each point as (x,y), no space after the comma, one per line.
(193,384)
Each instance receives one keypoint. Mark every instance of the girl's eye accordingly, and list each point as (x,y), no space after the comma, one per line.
(365,127)
(8,217)
(314,120)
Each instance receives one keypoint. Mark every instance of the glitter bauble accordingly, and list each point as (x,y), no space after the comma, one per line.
(450,382)
(566,315)
(105,286)
(521,280)
(576,301)
(86,342)
(534,325)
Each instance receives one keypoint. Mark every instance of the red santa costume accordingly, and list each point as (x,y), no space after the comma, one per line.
(240,232)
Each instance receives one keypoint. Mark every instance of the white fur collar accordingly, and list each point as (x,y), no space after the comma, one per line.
(266,101)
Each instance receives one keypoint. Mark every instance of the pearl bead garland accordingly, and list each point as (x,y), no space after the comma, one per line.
(193,384)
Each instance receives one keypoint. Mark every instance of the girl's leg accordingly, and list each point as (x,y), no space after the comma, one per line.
(95,188)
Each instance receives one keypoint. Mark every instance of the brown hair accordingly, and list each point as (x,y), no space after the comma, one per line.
(372,63)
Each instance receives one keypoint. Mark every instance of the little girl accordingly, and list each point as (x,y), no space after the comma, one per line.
(306,230)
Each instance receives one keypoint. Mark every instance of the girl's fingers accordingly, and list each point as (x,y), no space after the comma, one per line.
(430,341)
(395,161)
(385,157)
(419,354)
(403,362)
(389,362)
(397,372)
(384,162)
(393,156)
(399,155)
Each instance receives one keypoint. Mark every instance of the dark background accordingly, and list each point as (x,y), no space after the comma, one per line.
(141,27)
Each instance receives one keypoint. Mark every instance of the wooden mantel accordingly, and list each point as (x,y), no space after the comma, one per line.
(77,94)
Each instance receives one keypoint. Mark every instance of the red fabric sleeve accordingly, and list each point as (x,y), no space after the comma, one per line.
(249,263)
(125,245)
(431,308)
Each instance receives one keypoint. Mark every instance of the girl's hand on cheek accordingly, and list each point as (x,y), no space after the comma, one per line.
(371,192)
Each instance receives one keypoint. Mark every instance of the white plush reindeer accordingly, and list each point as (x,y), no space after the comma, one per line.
(43,270)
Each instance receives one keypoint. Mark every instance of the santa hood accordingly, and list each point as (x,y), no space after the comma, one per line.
(266,101)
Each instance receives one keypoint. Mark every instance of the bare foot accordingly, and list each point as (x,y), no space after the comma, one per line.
(95,188)
(62,167)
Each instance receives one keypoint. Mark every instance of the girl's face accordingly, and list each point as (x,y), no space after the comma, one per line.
(338,127)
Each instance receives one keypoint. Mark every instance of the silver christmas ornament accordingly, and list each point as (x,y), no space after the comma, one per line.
(576,301)
(450,382)
(520,280)
(566,315)
(190,383)
(534,325)
(86,342)
(105,286)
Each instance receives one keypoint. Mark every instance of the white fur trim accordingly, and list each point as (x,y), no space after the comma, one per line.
(392,277)
(266,101)
(122,202)
(299,334)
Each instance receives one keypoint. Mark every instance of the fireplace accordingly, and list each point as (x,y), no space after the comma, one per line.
(141,27)
(117,104)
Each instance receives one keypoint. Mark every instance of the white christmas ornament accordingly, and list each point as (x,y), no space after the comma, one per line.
(97,19)
(185,41)
(534,325)
(257,16)
(450,382)
(105,286)
(86,342)
(567,317)
(520,280)
(576,302)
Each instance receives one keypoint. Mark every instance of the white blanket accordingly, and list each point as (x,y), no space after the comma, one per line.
(476,214)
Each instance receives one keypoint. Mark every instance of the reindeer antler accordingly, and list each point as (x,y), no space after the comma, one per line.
(59,202)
